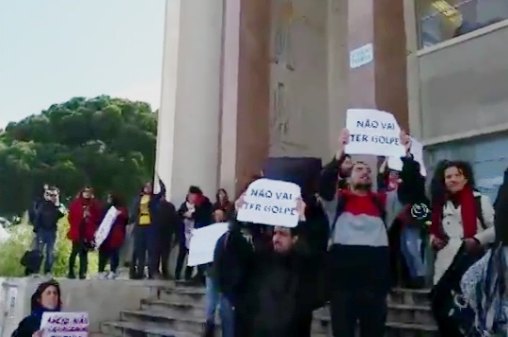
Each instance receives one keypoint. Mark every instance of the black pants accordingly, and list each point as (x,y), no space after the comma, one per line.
(144,244)
(182,253)
(363,305)
(161,258)
(78,249)
(109,255)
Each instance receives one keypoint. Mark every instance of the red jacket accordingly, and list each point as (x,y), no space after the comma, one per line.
(117,233)
(77,219)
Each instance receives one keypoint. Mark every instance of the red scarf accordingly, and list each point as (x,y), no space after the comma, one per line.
(466,200)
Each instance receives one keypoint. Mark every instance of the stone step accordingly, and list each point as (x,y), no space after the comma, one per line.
(186,294)
(402,313)
(420,297)
(133,329)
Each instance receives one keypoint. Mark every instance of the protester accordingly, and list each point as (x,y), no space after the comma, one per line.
(145,242)
(462,225)
(344,172)
(109,251)
(212,295)
(359,254)
(167,222)
(222,202)
(273,291)
(32,212)
(195,212)
(84,218)
(47,298)
(45,226)
(484,284)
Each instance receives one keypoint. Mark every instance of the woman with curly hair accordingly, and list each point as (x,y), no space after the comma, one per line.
(462,226)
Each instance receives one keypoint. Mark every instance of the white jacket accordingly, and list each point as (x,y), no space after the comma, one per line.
(452,226)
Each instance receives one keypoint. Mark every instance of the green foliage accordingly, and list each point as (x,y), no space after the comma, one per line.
(106,142)
(21,240)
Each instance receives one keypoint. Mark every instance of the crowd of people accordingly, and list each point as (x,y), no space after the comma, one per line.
(345,251)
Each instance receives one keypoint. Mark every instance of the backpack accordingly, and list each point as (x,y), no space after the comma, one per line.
(341,205)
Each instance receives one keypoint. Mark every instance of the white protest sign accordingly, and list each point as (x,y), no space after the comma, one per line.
(64,324)
(203,241)
(271,202)
(417,151)
(105,227)
(373,132)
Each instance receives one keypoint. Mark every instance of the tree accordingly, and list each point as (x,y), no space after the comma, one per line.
(108,143)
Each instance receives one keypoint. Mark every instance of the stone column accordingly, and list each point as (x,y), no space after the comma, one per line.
(246,95)
(188,129)
(382,83)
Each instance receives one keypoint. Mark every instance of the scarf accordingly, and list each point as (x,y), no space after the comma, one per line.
(466,200)
(39,311)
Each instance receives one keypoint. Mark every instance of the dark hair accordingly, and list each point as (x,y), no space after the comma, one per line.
(36,297)
(117,200)
(217,199)
(195,190)
(438,188)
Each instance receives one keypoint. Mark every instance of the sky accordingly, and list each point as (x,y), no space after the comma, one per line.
(53,50)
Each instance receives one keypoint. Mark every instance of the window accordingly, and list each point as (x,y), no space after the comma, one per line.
(441,20)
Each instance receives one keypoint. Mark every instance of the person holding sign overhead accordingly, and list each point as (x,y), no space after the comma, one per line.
(358,254)
(276,291)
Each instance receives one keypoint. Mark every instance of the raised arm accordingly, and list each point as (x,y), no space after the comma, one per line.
(411,190)
(330,175)
(158,196)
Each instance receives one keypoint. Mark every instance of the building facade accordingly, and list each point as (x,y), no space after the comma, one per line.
(248,79)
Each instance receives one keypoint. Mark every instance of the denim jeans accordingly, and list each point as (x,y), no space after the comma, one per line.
(46,245)
(412,250)
(212,299)
(227,316)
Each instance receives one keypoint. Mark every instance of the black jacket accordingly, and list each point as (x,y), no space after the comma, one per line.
(281,295)
(47,216)
(166,218)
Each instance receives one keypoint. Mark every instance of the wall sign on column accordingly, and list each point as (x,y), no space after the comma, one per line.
(361,56)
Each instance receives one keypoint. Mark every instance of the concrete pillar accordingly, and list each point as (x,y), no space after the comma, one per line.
(338,71)
(245,91)
(189,117)
(380,84)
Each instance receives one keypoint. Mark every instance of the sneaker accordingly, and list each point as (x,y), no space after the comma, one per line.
(102,276)
(111,276)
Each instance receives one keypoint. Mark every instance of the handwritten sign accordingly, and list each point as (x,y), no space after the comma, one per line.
(65,324)
(417,151)
(271,202)
(203,241)
(373,132)
(105,226)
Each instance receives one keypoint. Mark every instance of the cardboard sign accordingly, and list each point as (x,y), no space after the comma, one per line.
(271,202)
(203,241)
(65,324)
(105,226)
(373,132)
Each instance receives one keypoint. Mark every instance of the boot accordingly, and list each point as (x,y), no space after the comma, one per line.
(209,330)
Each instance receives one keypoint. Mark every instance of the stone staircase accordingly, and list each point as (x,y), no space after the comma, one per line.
(178,311)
